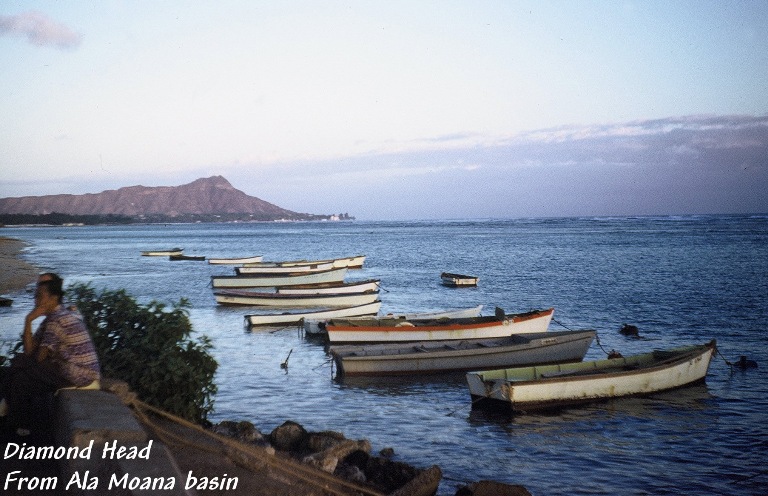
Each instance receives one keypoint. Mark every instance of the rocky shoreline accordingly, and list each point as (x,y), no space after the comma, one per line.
(353,461)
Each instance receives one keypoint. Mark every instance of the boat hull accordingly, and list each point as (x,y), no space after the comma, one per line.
(256,281)
(186,257)
(284,269)
(163,253)
(296,318)
(458,280)
(396,330)
(332,287)
(235,261)
(318,326)
(557,386)
(355,262)
(282,300)
(451,356)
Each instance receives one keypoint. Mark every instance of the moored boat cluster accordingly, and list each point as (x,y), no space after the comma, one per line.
(510,360)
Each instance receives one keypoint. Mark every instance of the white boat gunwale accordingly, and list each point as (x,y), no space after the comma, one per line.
(331,287)
(235,261)
(297,317)
(162,253)
(274,280)
(316,326)
(353,262)
(283,269)
(242,297)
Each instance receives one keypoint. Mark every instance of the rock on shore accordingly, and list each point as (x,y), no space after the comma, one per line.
(333,453)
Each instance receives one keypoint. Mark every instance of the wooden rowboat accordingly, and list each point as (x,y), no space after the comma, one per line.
(162,253)
(332,287)
(458,280)
(283,269)
(555,386)
(434,357)
(318,326)
(235,261)
(384,330)
(274,280)
(354,262)
(297,317)
(283,300)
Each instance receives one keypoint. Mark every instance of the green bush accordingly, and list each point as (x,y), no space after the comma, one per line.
(150,348)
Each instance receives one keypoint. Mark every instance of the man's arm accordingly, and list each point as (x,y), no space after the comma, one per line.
(30,343)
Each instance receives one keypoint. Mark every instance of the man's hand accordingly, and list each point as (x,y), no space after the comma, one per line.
(34,314)
(30,345)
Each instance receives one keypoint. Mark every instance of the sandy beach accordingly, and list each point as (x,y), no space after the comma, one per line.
(15,273)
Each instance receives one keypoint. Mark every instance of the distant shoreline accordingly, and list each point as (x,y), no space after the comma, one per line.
(16,274)
(61,219)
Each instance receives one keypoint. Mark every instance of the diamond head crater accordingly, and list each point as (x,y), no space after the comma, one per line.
(211,199)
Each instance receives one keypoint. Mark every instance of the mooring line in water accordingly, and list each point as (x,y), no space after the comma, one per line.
(561,324)
(326,362)
(471,403)
(742,363)
(717,350)
(280,329)
(610,354)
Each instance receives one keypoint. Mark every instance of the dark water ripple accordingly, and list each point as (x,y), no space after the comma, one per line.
(681,280)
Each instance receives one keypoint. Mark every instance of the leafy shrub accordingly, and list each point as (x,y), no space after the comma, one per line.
(150,348)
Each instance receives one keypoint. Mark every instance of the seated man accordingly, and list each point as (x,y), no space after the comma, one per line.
(59,354)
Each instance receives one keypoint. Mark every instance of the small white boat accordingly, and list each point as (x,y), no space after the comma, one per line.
(458,280)
(274,280)
(355,262)
(384,330)
(435,357)
(235,261)
(318,326)
(283,269)
(297,317)
(332,287)
(555,386)
(282,300)
(163,253)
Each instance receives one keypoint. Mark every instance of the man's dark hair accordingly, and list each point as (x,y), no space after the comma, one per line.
(54,286)
(48,276)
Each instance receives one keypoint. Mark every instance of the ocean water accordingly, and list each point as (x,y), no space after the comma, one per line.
(681,280)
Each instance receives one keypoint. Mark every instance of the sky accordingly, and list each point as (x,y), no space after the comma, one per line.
(394,109)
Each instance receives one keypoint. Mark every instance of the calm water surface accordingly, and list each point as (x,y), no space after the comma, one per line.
(681,280)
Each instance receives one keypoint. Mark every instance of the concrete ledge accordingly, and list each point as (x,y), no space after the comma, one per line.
(85,415)
(82,417)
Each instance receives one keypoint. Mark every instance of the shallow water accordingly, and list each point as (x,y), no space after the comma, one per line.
(681,280)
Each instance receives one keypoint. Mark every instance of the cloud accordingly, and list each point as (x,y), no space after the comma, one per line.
(689,164)
(39,29)
(676,165)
